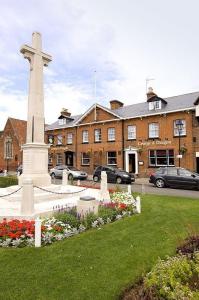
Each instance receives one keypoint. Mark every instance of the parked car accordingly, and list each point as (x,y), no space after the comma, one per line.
(19,169)
(175,177)
(73,173)
(113,175)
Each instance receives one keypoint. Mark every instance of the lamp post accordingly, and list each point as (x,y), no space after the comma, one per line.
(179,125)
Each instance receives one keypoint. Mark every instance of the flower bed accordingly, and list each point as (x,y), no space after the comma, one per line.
(64,224)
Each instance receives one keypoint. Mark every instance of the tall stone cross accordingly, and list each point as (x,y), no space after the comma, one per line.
(35,151)
(37,59)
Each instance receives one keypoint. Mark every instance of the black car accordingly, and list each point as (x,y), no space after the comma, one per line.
(175,178)
(113,175)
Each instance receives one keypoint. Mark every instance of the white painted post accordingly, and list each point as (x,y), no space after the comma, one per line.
(138,204)
(5,173)
(38,232)
(129,189)
(65,178)
(27,201)
(78,182)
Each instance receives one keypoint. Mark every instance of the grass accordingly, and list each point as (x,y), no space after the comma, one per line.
(99,264)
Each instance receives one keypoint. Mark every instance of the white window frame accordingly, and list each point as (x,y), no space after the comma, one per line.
(175,128)
(85,136)
(154,130)
(131,132)
(111,134)
(85,159)
(8,148)
(62,121)
(51,139)
(109,163)
(155,105)
(50,159)
(168,157)
(97,135)
(59,139)
(69,138)
(59,158)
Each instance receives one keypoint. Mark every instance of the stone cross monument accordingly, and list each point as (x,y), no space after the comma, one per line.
(35,151)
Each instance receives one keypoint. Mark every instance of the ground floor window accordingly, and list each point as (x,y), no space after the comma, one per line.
(161,157)
(112,158)
(8,149)
(50,159)
(59,159)
(85,159)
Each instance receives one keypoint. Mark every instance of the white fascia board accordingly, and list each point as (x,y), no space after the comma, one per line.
(160,113)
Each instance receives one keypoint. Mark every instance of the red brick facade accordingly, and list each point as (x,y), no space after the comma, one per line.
(11,139)
(102,136)
(139,154)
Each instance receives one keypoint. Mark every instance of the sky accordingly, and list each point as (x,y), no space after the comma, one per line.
(101,50)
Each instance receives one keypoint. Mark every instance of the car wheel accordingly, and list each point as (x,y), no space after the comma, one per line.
(160,183)
(118,180)
(53,175)
(70,177)
(95,178)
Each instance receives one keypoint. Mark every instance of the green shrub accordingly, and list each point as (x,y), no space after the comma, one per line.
(172,279)
(89,219)
(6,181)
(67,218)
(107,212)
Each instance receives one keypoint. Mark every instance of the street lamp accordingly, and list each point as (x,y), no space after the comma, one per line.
(179,125)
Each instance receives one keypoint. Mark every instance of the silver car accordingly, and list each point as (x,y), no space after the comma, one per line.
(73,173)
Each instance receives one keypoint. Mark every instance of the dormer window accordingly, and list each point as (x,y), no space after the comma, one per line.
(62,121)
(154,101)
(153,105)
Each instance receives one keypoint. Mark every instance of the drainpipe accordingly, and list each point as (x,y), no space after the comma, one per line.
(123,144)
(76,146)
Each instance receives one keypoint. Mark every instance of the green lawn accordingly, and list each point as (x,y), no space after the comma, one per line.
(98,264)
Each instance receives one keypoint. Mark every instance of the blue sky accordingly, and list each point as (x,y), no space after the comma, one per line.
(124,41)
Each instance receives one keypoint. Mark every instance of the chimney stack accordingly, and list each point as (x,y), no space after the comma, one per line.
(65,113)
(115,104)
(150,94)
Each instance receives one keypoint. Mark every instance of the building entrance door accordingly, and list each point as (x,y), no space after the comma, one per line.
(69,158)
(132,163)
(197,164)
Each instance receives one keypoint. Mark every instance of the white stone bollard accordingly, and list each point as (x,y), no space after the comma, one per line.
(104,193)
(27,201)
(38,232)
(129,189)
(5,173)
(78,182)
(65,177)
(138,204)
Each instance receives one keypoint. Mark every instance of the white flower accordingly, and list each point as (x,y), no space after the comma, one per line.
(95,224)
(59,236)
(118,217)
(6,243)
(16,242)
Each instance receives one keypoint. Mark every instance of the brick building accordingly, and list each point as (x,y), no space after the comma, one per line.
(11,139)
(139,137)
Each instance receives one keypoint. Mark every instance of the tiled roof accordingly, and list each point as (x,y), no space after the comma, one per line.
(176,103)
(56,125)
